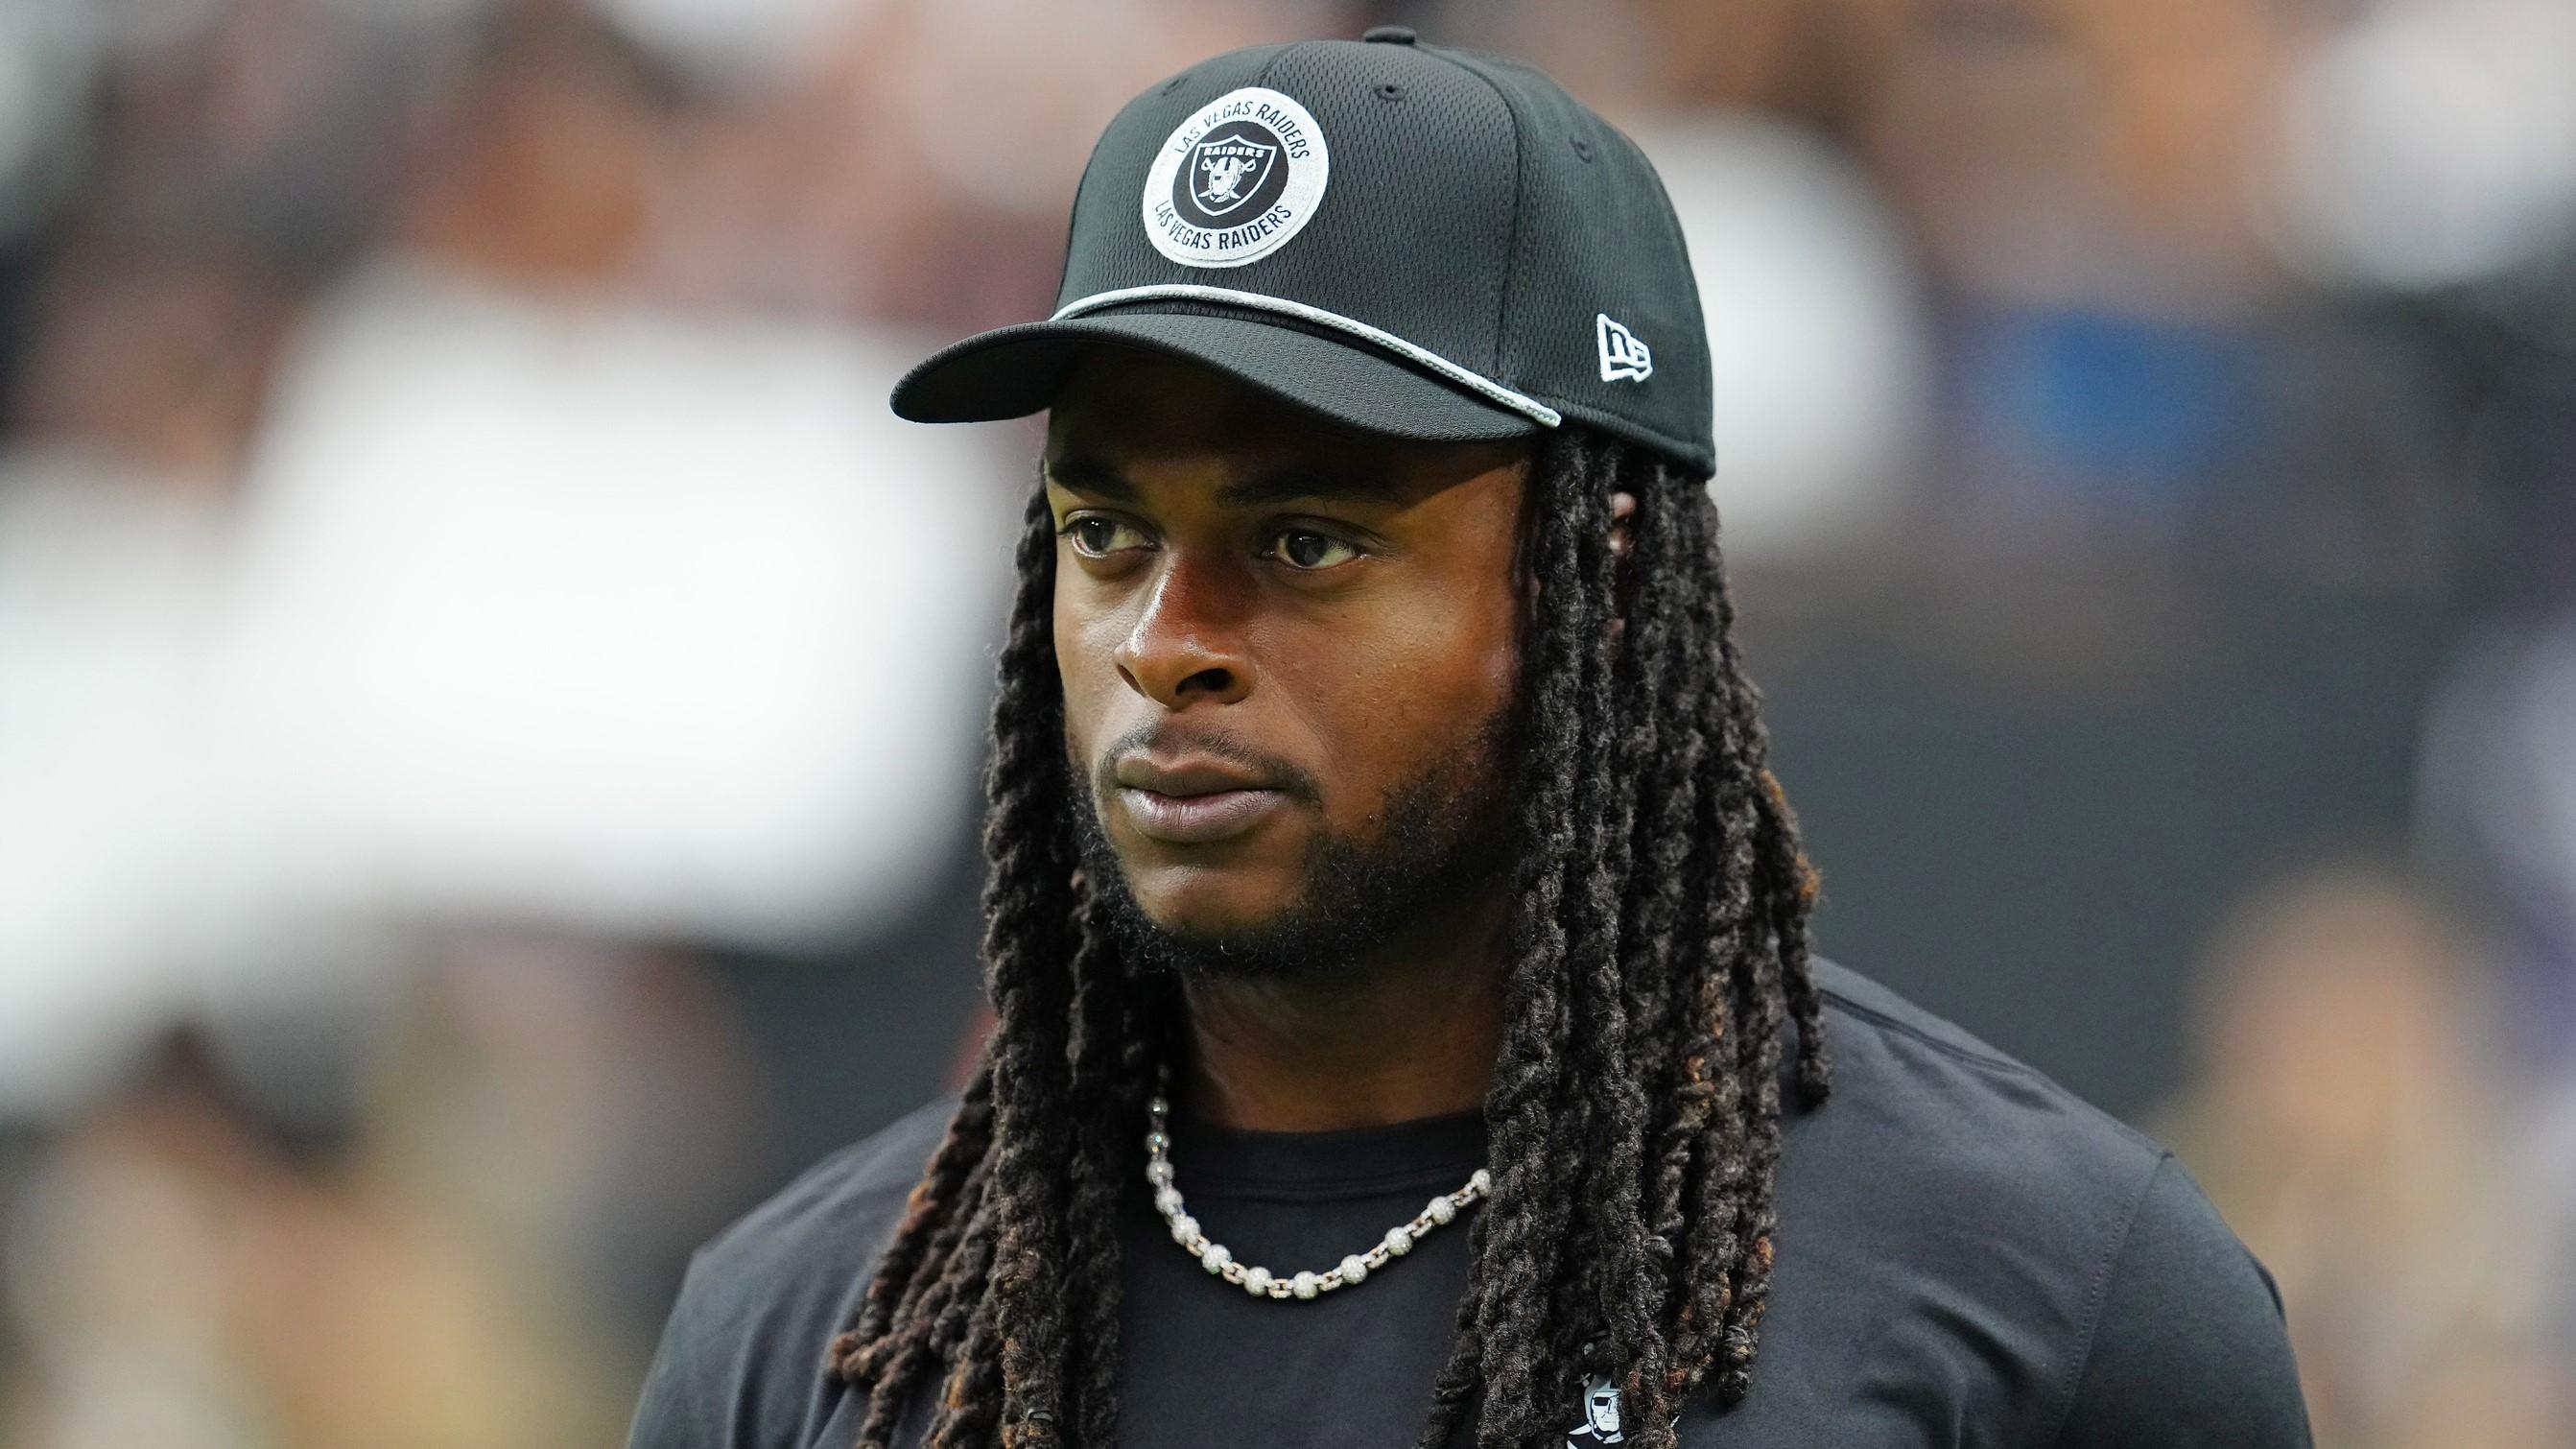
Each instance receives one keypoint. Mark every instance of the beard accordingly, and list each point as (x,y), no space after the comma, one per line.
(1444,834)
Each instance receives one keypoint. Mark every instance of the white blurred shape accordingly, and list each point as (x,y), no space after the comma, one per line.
(1816,335)
(608,616)
(2431,143)
(108,850)
(733,40)
(583,616)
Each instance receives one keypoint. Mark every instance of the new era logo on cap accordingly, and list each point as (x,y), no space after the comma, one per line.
(1622,355)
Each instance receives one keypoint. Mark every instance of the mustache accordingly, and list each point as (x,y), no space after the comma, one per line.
(1168,737)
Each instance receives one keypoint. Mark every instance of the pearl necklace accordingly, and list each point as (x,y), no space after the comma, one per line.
(1261,1282)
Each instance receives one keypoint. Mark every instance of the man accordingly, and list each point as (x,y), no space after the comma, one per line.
(1378,810)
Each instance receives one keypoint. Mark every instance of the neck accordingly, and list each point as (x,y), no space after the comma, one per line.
(1410,1030)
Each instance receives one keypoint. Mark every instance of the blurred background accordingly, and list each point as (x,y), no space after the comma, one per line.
(490,699)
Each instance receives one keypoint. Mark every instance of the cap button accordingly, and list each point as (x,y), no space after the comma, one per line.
(1389,35)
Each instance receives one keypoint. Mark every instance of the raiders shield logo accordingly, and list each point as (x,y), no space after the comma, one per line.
(1236,180)
(1230,168)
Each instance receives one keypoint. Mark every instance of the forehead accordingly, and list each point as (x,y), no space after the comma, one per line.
(1136,411)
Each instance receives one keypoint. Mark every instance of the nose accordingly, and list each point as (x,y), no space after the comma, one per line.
(1185,645)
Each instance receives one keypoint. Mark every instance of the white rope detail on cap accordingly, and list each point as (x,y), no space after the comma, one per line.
(1476,382)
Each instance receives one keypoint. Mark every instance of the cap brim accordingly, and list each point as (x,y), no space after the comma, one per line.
(1011,372)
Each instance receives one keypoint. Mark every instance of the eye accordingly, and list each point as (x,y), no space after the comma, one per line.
(1303,548)
(1097,537)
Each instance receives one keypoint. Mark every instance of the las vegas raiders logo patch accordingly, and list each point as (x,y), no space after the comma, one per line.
(1236,180)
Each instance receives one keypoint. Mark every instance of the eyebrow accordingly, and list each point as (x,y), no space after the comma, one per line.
(1320,478)
(1085,474)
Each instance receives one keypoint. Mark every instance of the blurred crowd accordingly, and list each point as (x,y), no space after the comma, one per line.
(490,699)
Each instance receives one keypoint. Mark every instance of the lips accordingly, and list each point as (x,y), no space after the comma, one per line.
(1193,801)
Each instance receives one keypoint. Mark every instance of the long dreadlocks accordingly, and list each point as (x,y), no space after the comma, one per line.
(1659,956)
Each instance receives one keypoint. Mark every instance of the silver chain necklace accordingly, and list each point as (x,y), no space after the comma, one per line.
(1261,1282)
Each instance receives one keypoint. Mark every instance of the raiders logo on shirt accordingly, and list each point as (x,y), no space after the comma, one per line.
(1600,1423)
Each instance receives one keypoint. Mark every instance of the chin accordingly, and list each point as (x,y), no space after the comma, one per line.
(1209,903)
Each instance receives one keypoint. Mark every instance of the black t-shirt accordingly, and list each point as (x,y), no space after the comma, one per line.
(1967,1255)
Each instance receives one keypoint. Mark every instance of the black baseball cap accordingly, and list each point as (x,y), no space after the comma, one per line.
(1418,241)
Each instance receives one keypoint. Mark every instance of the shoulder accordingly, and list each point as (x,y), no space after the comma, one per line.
(741,1359)
(835,1211)
(2189,1344)
(1935,1098)
(2017,1243)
